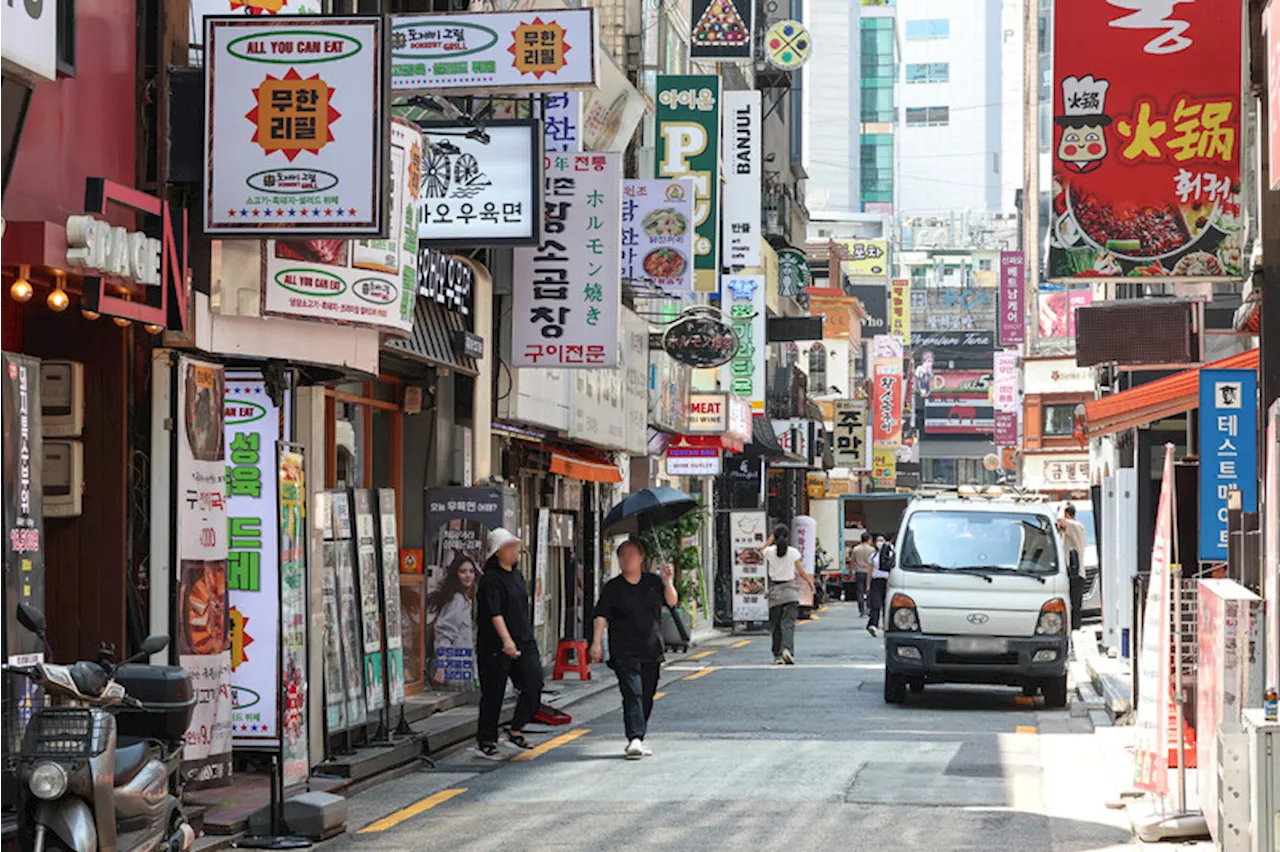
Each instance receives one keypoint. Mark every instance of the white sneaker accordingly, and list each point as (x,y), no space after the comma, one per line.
(645,751)
(635,750)
(777,661)
(786,656)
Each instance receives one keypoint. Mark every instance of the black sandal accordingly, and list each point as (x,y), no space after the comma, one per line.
(518,740)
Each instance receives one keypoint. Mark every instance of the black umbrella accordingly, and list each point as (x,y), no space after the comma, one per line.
(646,509)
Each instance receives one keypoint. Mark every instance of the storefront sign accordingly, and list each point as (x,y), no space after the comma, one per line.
(794,275)
(900,310)
(548,50)
(1013,323)
(951,345)
(292,491)
(721,31)
(787,45)
(468,345)
(693,461)
(884,467)
(958,417)
(30,47)
(1147,108)
(708,413)
(658,235)
(701,340)
(741,208)
(954,309)
(1058,312)
(688,122)
(562,122)
(1058,472)
(611,113)
(368,283)
(1228,452)
(874,299)
(295,133)
(567,296)
(481,190)
(1005,428)
(849,431)
(746,539)
(742,298)
(201,489)
(445,280)
(865,258)
(836,310)
(886,399)
(739,419)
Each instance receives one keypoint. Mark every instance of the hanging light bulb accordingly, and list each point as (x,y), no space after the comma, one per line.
(121,321)
(153,329)
(21,289)
(89,315)
(58,299)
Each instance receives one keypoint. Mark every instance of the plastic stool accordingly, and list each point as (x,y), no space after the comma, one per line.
(579,649)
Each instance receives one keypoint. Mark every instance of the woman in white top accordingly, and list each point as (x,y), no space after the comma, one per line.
(785,572)
(881,564)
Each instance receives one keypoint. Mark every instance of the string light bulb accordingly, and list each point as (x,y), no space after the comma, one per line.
(153,328)
(58,299)
(121,321)
(89,315)
(21,289)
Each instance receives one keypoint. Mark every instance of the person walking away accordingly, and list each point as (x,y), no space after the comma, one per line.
(785,573)
(630,606)
(848,578)
(881,564)
(862,570)
(1073,538)
(505,646)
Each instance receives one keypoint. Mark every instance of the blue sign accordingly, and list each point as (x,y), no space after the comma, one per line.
(1228,452)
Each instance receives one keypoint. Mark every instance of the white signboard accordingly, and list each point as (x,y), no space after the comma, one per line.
(355,282)
(746,538)
(481,194)
(611,113)
(742,298)
(30,44)
(635,382)
(567,295)
(693,461)
(657,235)
(1004,392)
(849,431)
(546,50)
(295,132)
(740,152)
(562,121)
(708,413)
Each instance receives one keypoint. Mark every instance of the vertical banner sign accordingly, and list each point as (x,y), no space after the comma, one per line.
(804,533)
(1271,23)
(1271,536)
(688,122)
(252,424)
(884,467)
(886,403)
(389,565)
(741,225)
(292,491)
(657,235)
(567,298)
(562,122)
(900,310)
(350,639)
(1228,452)
(747,537)
(1151,751)
(742,298)
(204,635)
(370,591)
(1005,397)
(1012,296)
(335,678)
(541,565)
(1147,145)
(721,30)
(24,534)
(850,433)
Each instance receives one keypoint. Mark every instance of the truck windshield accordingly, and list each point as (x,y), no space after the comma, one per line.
(992,541)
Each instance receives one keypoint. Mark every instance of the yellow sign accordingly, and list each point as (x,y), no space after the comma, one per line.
(538,48)
(293,114)
(884,467)
(900,310)
(837,486)
(865,257)
(816,483)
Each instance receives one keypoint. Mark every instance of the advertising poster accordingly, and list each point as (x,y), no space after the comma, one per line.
(742,131)
(688,124)
(567,303)
(292,492)
(900,309)
(335,663)
(547,50)
(1012,298)
(295,136)
(742,298)
(886,401)
(541,565)
(368,544)
(1155,658)
(747,536)
(866,258)
(389,568)
(1228,453)
(804,536)
(721,30)
(657,235)
(1057,311)
(202,616)
(849,433)
(1147,141)
(350,636)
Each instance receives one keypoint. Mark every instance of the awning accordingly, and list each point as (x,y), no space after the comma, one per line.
(584,465)
(1167,397)
(433,339)
(763,442)
(728,443)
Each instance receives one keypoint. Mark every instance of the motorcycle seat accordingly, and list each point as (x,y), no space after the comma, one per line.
(129,761)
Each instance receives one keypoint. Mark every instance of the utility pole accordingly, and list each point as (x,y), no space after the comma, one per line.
(1269,227)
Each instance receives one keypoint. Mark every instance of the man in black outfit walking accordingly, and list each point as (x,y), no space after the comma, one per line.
(505,647)
(630,606)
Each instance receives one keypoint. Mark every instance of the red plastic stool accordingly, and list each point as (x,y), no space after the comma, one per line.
(583,664)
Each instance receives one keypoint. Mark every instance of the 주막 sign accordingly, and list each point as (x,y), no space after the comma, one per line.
(1228,452)
(849,433)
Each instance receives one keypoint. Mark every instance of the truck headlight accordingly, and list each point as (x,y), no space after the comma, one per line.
(1053,618)
(48,781)
(902,614)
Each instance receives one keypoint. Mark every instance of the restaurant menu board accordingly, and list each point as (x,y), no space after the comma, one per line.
(348,609)
(657,235)
(747,536)
(370,591)
(389,565)
(1147,141)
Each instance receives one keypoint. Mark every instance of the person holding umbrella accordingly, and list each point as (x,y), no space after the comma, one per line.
(630,606)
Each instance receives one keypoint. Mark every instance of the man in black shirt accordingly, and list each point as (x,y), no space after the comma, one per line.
(630,606)
(505,647)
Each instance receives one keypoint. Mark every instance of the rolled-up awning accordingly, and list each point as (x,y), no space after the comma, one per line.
(586,465)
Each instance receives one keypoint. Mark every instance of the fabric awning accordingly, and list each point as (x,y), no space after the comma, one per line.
(1167,397)
(585,465)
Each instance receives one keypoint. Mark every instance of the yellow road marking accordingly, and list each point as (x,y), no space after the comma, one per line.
(394,819)
(822,608)
(658,695)
(744,643)
(1026,729)
(549,744)
(708,670)
(701,655)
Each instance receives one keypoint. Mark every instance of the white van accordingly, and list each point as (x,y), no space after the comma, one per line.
(979,593)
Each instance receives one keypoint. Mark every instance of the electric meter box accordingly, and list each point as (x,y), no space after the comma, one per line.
(63,478)
(62,399)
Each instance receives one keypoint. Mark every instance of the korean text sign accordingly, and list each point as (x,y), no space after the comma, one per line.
(900,309)
(742,298)
(1228,452)
(567,298)
(741,207)
(1013,324)
(1147,140)
(865,257)
(295,131)
(849,433)
(886,402)
(657,234)
(688,122)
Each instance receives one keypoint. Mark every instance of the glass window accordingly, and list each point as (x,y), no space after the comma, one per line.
(818,369)
(928,116)
(993,542)
(928,72)
(877,105)
(984,264)
(1059,420)
(927,30)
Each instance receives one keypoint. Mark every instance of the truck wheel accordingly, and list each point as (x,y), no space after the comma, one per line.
(895,688)
(1055,691)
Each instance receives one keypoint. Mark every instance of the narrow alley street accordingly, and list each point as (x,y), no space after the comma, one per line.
(749,755)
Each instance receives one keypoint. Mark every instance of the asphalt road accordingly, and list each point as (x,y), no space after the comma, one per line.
(753,756)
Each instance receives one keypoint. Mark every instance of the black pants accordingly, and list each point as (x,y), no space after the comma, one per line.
(860,581)
(638,681)
(849,589)
(879,586)
(525,673)
(1077,581)
(782,627)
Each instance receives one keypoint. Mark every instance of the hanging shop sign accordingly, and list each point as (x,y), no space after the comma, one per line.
(295,131)
(1147,108)
(874,299)
(368,283)
(567,299)
(721,30)
(611,113)
(746,540)
(658,235)
(900,310)
(634,349)
(952,345)
(562,122)
(708,413)
(701,340)
(693,461)
(1004,397)
(1228,452)
(742,298)
(201,489)
(294,609)
(849,433)
(548,50)
(836,310)
(787,45)
(742,179)
(886,397)
(739,419)
(30,47)
(799,437)
(794,275)
(668,393)
(865,257)
(481,189)
(445,280)
(884,467)
(688,123)
(1057,314)
(1012,298)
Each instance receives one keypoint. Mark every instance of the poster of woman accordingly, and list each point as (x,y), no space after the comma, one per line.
(451,606)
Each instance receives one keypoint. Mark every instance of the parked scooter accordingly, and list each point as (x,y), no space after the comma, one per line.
(98,770)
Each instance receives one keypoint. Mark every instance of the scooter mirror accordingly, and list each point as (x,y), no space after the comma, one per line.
(154,644)
(31,618)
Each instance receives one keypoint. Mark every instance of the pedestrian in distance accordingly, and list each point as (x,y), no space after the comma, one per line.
(881,565)
(505,646)
(862,571)
(630,606)
(785,573)
(1073,539)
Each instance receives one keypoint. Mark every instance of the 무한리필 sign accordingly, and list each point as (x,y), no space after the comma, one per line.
(688,121)
(1228,452)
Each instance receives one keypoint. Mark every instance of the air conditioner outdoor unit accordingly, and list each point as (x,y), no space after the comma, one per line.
(1264,771)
